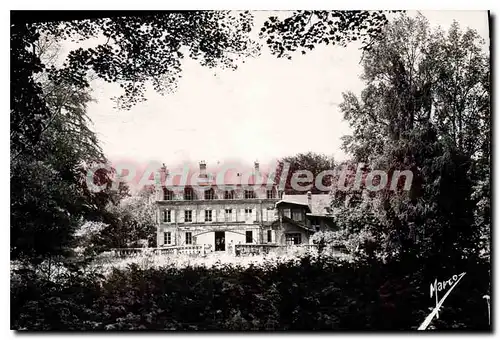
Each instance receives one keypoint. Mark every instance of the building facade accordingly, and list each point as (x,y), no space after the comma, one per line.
(220,215)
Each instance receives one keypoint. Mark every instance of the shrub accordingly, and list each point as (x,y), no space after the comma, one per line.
(308,293)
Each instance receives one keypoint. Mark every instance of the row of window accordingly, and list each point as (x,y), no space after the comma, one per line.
(189,194)
(290,238)
(297,215)
(248,237)
(167,237)
(188,215)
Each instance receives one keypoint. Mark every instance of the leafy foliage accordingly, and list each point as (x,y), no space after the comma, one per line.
(304,30)
(138,50)
(134,219)
(313,162)
(311,294)
(408,119)
(49,194)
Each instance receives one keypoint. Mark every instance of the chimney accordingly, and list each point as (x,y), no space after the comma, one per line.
(203,169)
(256,165)
(164,169)
(309,200)
(162,175)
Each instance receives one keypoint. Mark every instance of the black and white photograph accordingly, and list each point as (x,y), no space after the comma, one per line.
(225,170)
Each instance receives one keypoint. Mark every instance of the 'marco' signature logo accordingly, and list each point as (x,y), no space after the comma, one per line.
(437,287)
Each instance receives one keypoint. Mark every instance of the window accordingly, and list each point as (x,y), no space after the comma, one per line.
(270,213)
(269,236)
(189,237)
(167,216)
(209,194)
(228,214)
(249,194)
(286,213)
(270,193)
(167,238)
(248,213)
(297,215)
(292,239)
(229,194)
(315,224)
(248,236)
(168,195)
(208,215)
(188,194)
(188,216)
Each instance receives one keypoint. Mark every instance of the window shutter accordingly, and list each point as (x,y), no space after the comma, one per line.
(254,214)
(182,215)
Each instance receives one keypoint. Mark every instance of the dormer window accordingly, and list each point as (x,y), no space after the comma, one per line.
(297,215)
(209,194)
(188,194)
(249,194)
(229,194)
(168,195)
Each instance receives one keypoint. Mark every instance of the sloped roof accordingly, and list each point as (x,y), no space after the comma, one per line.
(298,224)
(318,202)
(229,177)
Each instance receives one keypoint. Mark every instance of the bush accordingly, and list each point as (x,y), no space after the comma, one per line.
(313,293)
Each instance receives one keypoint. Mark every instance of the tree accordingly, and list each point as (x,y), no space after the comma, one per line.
(310,161)
(133,219)
(49,194)
(303,30)
(408,119)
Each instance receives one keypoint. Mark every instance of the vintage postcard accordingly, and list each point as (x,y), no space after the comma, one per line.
(250,170)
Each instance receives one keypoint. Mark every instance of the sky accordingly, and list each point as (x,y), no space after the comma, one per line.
(266,109)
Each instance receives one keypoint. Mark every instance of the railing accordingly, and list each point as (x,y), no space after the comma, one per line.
(307,246)
(254,249)
(239,249)
(123,252)
(194,249)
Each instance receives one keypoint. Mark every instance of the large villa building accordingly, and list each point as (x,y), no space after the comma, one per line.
(220,214)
